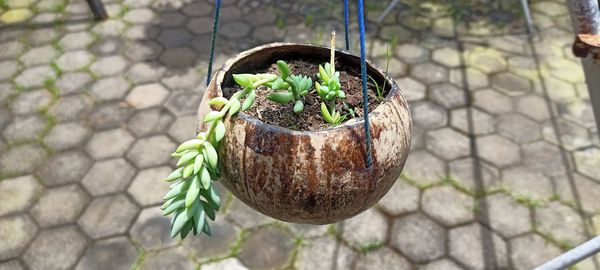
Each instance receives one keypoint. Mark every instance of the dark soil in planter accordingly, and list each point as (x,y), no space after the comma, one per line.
(310,119)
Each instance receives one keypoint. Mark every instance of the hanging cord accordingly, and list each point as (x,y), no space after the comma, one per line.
(346,25)
(363,73)
(213,39)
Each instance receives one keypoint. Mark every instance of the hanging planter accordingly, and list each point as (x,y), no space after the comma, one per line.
(315,177)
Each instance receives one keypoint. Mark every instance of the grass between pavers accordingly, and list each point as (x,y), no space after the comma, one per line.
(141,256)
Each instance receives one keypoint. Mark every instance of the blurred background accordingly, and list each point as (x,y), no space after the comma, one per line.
(504,171)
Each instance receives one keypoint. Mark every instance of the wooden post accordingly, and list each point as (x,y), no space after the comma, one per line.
(98,9)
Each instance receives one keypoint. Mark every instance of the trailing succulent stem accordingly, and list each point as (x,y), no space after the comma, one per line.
(295,87)
(192,198)
(330,88)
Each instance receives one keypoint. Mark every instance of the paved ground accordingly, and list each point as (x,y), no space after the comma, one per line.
(89,112)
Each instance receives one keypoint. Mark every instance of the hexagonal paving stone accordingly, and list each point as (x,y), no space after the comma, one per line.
(235,30)
(17,194)
(174,38)
(400,199)
(111,115)
(424,168)
(511,84)
(150,122)
(486,59)
(173,19)
(15,233)
(66,135)
(109,143)
(367,229)
(477,247)
(179,57)
(428,115)
(36,76)
(448,57)
(412,90)
(109,28)
(309,230)
(173,258)
(8,69)
(149,186)
(114,253)
(412,53)
(146,72)
(108,176)
(107,216)
(570,136)
(441,264)
(60,205)
(227,264)
(77,40)
(144,50)
(246,217)
(139,16)
(447,95)
(219,245)
(429,73)
(474,174)
(588,192)
(74,60)
(184,128)
(55,249)
(110,88)
(497,150)
(448,205)
(11,49)
(31,101)
(108,46)
(22,159)
(530,251)
(561,222)
(24,128)
(492,101)
(152,230)
(72,82)
(587,162)
(472,121)
(71,108)
(110,65)
(534,107)
(39,55)
(447,143)
(183,102)
(498,208)
(383,258)
(67,167)
(15,15)
(544,158)
(144,156)
(325,253)
(11,265)
(148,95)
(275,252)
(418,237)
(526,183)
(468,78)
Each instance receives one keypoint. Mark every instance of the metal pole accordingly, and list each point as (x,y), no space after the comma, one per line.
(573,256)
(528,20)
(98,9)
(387,10)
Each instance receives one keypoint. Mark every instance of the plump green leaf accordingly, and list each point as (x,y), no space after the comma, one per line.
(198,163)
(188,170)
(177,189)
(281,97)
(330,95)
(219,131)
(235,107)
(199,219)
(243,80)
(189,155)
(206,229)
(218,101)
(323,74)
(298,106)
(341,94)
(212,116)
(214,197)
(193,191)
(284,69)
(186,229)
(249,101)
(176,204)
(179,221)
(211,154)
(325,113)
(176,174)
(188,145)
(205,178)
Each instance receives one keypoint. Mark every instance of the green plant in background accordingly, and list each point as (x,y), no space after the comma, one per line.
(294,87)
(192,199)
(330,88)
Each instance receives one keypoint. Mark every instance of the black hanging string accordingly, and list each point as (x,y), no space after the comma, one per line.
(213,40)
(363,73)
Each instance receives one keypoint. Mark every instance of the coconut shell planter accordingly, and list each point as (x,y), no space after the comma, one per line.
(288,147)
